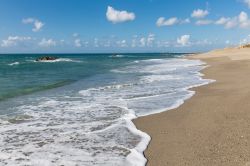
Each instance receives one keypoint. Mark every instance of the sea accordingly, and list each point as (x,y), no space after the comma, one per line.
(77,110)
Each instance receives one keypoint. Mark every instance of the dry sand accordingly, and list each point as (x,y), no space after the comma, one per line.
(213,127)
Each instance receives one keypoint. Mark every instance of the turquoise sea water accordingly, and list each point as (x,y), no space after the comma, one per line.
(77,110)
(20,74)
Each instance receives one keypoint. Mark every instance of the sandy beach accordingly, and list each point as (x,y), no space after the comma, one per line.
(213,127)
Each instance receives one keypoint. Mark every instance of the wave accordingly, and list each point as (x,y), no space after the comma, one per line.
(117,56)
(159,66)
(153,78)
(56,60)
(14,63)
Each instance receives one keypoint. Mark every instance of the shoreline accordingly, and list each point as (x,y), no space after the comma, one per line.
(201,131)
(137,153)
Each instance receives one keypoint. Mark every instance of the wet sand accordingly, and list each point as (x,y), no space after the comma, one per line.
(213,127)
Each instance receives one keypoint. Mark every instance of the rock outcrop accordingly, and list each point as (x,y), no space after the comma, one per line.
(46,58)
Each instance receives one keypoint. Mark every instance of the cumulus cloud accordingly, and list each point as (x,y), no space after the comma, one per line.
(171,21)
(199,13)
(247,2)
(183,40)
(36,23)
(47,43)
(150,40)
(166,22)
(116,16)
(241,21)
(222,21)
(244,22)
(146,41)
(14,40)
(243,17)
(231,23)
(142,42)
(122,43)
(78,43)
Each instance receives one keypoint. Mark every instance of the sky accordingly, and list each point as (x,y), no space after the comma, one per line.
(112,26)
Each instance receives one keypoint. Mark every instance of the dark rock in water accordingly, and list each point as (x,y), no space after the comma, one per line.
(46,58)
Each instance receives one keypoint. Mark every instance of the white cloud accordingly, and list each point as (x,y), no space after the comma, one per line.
(142,42)
(14,40)
(78,43)
(222,21)
(199,13)
(231,23)
(243,17)
(183,40)
(116,16)
(150,40)
(122,43)
(37,26)
(161,21)
(203,22)
(247,2)
(36,23)
(241,21)
(47,43)
(146,41)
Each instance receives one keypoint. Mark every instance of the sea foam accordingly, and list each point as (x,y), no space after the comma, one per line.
(93,126)
(14,63)
(59,60)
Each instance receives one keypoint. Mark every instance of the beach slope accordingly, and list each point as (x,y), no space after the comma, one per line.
(211,128)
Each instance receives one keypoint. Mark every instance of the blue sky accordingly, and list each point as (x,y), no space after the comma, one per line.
(82,26)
